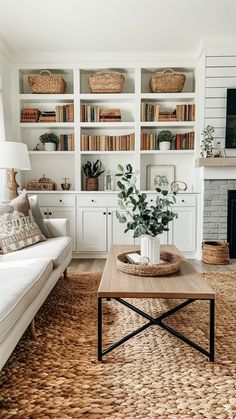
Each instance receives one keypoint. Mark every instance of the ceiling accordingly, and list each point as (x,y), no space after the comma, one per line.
(113,25)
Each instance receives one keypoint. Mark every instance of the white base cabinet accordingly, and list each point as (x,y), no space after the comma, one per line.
(69,213)
(183,230)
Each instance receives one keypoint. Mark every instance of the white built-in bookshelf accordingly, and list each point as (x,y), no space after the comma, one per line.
(60,164)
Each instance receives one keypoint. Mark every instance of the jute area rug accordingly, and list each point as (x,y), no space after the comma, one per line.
(154,375)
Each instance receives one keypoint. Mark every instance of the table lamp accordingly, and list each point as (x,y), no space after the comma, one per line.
(14,155)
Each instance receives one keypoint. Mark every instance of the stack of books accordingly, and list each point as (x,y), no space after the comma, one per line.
(47,116)
(149,141)
(185,112)
(107,142)
(185,141)
(110,115)
(30,115)
(66,142)
(167,116)
(95,114)
(149,112)
(65,113)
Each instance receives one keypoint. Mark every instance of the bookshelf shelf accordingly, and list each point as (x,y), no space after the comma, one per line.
(173,97)
(107,124)
(116,97)
(177,124)
(47,124)
(53,153)
(30,97)
(167,152)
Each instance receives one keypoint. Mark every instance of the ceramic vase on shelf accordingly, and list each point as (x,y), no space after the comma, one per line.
(50,147)
(150,248)
(164,145)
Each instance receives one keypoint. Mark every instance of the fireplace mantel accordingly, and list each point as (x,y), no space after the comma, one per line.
(216,162)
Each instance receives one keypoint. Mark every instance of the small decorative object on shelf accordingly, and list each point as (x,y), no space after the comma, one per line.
(107,82)
(65,186)
(218,150)
(43,184)
(165,139)
(215,252)
(146,221)
(36,148)
(108,181)
(178,186)
(92,171)
(207,142)
(46,83)
(167,81)
(30,115)
(50,141)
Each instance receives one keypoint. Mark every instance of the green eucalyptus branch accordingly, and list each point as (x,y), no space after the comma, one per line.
(207,142)
(136,212)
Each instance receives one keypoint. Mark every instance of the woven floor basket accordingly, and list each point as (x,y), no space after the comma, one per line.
(106,82)
(172,263)
(167,82)
(46,83)
(215,253)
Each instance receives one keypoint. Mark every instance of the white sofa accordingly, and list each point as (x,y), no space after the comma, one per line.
(26,278)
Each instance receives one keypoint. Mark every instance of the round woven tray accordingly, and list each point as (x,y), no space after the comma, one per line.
(171,265)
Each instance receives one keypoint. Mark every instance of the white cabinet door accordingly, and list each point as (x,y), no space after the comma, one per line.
(183,229)
(116,234)
(65,212)
(92,229)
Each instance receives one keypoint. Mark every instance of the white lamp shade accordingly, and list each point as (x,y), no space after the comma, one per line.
(14,155)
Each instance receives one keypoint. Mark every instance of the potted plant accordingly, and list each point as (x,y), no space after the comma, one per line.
(50,141)
(207,141)
(92,171)
(146,221)
(165,139)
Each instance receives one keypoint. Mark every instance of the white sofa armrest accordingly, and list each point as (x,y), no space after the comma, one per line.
(58,227)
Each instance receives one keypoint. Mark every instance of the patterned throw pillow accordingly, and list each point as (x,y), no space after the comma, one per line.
(18,228)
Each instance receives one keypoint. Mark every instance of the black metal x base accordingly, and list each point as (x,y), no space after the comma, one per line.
(158,321)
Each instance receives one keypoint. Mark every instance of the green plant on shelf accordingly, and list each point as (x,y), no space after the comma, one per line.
(207,141)
(93,169)
(165,135)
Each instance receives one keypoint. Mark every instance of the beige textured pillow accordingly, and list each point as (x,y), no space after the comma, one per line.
(18,228)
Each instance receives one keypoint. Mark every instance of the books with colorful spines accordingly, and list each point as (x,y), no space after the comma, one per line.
(178,142)
(132,141)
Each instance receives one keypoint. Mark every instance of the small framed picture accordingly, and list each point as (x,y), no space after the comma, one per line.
(160,176)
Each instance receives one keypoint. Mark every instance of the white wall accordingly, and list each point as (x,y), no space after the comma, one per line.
(220,75)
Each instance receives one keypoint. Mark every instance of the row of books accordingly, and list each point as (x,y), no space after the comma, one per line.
(66,142)
(107,142)
(95,114)
(62,113)
(151,112)
(180,142)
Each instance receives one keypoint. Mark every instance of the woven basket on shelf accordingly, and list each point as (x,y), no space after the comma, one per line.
(215,253)
(172,263)
(168,81)
(46,83)
(106,82)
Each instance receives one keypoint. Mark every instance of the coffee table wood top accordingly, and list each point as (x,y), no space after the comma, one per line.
(187,283)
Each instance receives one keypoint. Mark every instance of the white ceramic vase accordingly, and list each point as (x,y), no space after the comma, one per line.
(164,145)
(50,147)
(150,248)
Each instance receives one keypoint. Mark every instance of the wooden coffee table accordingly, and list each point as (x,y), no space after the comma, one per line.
(186,284)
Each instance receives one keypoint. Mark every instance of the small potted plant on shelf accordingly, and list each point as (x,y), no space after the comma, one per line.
(207,141)
(50,141)
(165,139)
(92,171)
(146,221)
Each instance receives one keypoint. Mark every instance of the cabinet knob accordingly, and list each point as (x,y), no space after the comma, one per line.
(45,213)
(109,213)
(92,200)
(183,200)
(49,213)
(60,200)
(104,213)
(151,200)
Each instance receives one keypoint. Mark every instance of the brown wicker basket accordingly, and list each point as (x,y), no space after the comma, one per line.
(46,83)
(172,263)
(106,82)
(167,81)
(215,253)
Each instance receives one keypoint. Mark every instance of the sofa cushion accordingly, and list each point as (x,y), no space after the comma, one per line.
(34,206)
(18,228)
(20,282)
(55,249)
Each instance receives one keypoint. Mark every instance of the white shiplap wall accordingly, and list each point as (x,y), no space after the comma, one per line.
(220,75)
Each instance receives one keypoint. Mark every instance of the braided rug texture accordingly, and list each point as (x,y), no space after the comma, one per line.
(153,375)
